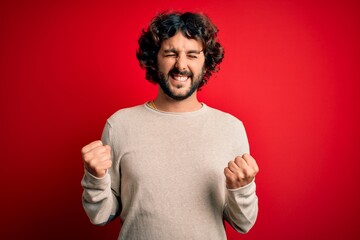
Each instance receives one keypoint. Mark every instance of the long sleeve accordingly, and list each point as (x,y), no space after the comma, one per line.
(241,207)
(241,204)
(99,200)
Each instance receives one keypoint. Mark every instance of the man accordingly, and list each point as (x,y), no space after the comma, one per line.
(173,168)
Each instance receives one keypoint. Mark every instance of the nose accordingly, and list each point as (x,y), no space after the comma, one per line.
(181,63)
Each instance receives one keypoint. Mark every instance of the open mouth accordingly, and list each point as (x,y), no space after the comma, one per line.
(180,78)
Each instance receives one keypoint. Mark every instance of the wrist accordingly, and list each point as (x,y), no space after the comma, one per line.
(94,175)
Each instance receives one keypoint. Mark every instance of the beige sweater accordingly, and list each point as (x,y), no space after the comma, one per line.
(167,178)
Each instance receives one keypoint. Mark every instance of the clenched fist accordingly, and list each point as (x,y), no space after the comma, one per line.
(96,158)
(241,171)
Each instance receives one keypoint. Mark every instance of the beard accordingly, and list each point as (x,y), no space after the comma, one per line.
(165,85)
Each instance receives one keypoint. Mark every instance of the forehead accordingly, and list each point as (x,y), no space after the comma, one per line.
(181,43)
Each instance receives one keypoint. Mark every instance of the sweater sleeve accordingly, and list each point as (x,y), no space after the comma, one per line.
(99,199)
(241,207)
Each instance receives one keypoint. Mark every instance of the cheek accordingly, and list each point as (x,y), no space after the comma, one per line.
(198,69)
(164,67)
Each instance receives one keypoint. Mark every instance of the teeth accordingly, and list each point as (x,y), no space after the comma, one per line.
(180,78)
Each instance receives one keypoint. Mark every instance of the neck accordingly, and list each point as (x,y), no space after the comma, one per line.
(166,104)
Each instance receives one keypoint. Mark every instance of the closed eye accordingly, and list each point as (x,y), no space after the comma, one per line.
(192,56)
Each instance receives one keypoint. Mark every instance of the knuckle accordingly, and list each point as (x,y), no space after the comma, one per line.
(99,149)
(240,176)
(90,146)
(239,159)
(247,172)
(83,150)
(87,157)
(93,164)
(104,148)
(231,179)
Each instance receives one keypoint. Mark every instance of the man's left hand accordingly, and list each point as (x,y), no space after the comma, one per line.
(241,171)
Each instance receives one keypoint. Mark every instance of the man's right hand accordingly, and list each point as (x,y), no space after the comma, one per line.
(96,158)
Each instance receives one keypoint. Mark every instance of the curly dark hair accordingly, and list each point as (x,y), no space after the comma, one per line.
(194,26)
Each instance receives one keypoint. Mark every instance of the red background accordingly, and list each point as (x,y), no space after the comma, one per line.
(290,73)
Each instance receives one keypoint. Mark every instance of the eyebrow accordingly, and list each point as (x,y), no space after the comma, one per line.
(173,50)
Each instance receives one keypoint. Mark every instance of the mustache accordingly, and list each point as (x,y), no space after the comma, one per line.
(182,73)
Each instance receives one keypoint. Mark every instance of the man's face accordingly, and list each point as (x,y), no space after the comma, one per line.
(180,66)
